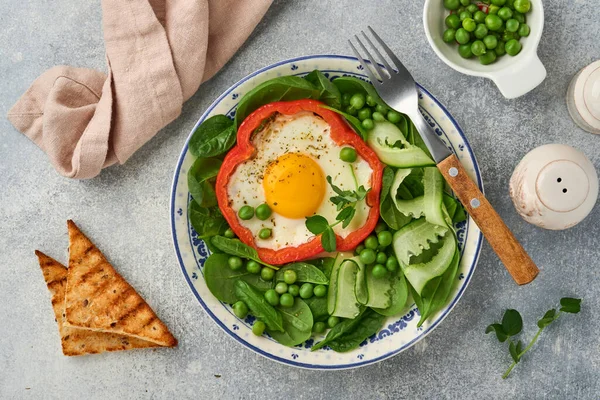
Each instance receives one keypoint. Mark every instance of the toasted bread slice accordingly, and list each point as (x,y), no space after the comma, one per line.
(99,299)
(77,342)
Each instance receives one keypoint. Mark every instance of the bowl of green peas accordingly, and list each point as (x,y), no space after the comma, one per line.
(495,39)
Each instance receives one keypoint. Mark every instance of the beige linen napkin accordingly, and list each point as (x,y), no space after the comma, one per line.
(158,52)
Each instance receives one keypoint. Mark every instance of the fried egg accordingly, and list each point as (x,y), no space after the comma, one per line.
(294,154)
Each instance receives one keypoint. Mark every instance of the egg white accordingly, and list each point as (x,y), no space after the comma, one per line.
(307,134)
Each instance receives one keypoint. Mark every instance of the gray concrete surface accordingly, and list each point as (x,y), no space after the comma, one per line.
(126,211)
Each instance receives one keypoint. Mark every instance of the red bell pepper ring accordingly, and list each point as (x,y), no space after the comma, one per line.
(342,134)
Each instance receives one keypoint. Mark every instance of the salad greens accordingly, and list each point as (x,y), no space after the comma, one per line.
(512,324)
(413,251)
(213,137)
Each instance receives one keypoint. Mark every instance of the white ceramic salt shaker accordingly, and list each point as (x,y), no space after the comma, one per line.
(583,98)
(554,186)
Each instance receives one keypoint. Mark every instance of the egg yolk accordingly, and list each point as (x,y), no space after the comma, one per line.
(294,185)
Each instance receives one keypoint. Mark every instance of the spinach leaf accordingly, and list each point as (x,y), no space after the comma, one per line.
(344,327)
(370,323)
(350,84)
(354,122)
(297,324)
(207,222)
(304,273)
(318,307)
(390,214)
(277,89)
(259,306)
(435,293)
(199,186)
(414,182)
(386,183)
(214,136)
(398,297)
(329,93)
(413,136)
(325,264)
(236,248)
(220,279)
(455,210)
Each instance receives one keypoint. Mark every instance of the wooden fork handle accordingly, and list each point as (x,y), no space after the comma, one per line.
(509,250)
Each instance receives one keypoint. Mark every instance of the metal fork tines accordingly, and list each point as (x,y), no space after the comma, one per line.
(397,88)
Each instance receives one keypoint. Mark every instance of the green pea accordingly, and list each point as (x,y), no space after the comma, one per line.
(319,327)
(229,234)
(294,290)
(391,264)
(524,30)
(246,212)
(513,47)
(371,101)
(367,256)
(272,297)
(320,290)
(451,4)
(281,287)
(460,9)
(498,3)
(253,267)
(235,263)
(452,22)
(384,238)
(286,300)
(500,49)
(478,48)
(510,4)
(379,271)
(493,22)
(472,8)
(306,290)
(265,233)
(348,154)
(359,248)
(357,100)
(333,321)
(346,99)
(469,24)
(263,211)
(519,17)
(522,6)
(289,277)
(512,25)
(377,116)
(394,117)
(267,273)
(364,113)
(258,328)
(488,58)
(479,17)
(490,42)
(462,36)
(493,10)
(381,258)
(505,13)
(464,15)
(381,109)
(381,226)
(368,124)
(465,50)
(240,309)
(351,110)
(481,31)
(465,2)
(506,36)
(371,242)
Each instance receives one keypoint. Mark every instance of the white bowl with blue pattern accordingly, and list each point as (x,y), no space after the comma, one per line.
(398,333)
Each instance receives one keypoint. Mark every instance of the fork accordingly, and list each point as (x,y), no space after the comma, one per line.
(397,88)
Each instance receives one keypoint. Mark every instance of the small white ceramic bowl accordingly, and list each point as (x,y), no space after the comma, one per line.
(514,76)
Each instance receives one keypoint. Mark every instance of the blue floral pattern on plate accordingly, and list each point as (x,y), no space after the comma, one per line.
(398,333)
